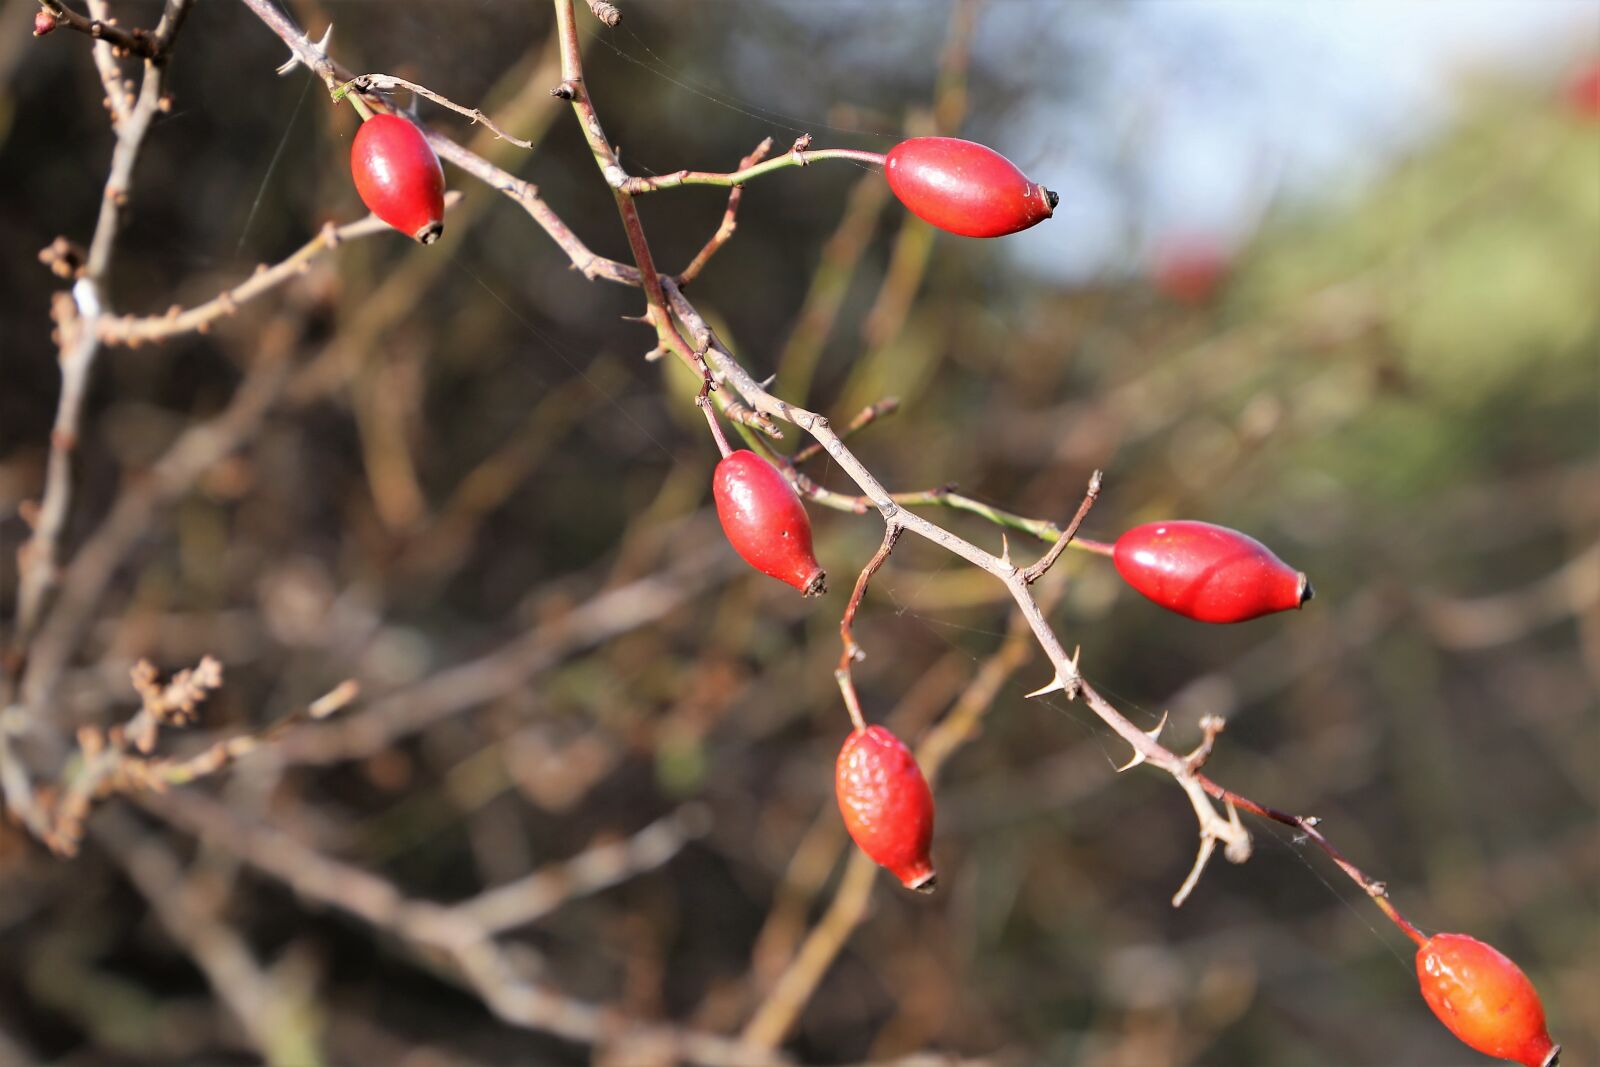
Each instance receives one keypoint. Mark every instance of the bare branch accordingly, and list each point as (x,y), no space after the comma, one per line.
(1214,825)
(1037,571)
(864,418)
(730,221)
(368,83)
(78,334)
(134,330)
(137,41)
(852,651)
(464,933)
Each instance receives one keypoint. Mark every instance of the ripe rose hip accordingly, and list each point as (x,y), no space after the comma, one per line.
(765,521)
(1209,573)
(886,805)
(964,187)
(399,177)
(1484,999)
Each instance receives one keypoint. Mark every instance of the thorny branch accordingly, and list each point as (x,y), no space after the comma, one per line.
(1214,825)
(84,324)
(135,330)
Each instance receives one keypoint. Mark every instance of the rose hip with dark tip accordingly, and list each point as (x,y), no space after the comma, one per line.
(1209,573)
(887,806)
(763,518)
(399,177)
(964,187)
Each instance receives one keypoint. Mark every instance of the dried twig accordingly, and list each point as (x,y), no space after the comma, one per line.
(864,418)
(134,330)
(465,933)
(663,295)
(78,335)
(730,219)
(137,41)
(1037,570)
(114,761)
(373,83)
(603,617)
(195,451)
(852,651)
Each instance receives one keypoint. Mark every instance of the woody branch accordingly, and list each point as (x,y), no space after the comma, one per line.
(698,342)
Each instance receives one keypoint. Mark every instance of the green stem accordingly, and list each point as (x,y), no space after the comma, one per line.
(1046,531)
(359,104)
(793,158)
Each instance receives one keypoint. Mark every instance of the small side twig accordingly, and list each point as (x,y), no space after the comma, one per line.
(114,761)
(137,41)
(134,330)
(465,934)
(852,651)
(375,83)
(864,418)
(730,220)
(1037,570)
(801,155)
(1307,827)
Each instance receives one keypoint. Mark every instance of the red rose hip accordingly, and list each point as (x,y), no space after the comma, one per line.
(1206,572)
(765,521)
(886,805)
(43,22)
(398,176)
(1484,999)
(964,187)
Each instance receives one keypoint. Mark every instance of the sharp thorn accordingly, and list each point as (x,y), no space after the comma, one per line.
(294,57)
(1055,685)
(1154,733)
(1138,758)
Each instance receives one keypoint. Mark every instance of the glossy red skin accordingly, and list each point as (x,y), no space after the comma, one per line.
(43,22)
(765,521)
(399,177)
(886,805)
(1484,999)
(965,188)
(1206,572)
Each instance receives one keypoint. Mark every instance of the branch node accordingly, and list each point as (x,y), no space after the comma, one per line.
(321,48)
(606,13)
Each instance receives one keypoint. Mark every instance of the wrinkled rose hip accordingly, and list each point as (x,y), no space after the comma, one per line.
(887,806)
